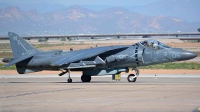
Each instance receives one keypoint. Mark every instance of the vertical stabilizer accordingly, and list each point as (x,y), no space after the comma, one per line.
(20,47)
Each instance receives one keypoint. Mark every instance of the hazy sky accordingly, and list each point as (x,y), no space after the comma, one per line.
(85,2)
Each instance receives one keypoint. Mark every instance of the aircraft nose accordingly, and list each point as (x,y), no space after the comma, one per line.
(186,55)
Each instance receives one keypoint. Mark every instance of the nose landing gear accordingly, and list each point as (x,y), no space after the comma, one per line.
(133,77)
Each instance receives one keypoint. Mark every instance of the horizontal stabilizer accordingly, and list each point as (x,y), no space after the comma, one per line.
(18,60)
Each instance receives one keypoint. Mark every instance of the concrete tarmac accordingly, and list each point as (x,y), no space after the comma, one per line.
(161,93)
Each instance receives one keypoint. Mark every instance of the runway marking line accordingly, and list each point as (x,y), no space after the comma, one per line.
(33,93)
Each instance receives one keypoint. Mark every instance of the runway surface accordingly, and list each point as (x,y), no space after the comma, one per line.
(160,93)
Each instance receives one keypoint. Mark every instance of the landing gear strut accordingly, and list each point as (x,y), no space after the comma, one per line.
(133,77)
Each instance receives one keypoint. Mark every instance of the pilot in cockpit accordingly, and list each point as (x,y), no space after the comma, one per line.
(154,44)
(149,43)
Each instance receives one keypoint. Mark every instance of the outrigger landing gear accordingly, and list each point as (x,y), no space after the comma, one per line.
(69,80)
(133,77)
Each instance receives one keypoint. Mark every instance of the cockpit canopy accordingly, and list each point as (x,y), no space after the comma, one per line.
(154,44)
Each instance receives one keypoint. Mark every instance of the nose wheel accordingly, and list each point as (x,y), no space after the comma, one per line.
(133,77)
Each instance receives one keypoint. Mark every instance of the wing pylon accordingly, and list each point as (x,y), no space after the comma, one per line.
(86,64)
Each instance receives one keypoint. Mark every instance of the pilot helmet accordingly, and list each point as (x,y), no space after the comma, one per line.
(153,44)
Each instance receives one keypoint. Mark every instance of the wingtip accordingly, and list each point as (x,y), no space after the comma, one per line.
(5,66)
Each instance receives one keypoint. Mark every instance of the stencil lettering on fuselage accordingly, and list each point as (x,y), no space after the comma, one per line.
(165,54)
(121,56)
(176,55)
(29,52)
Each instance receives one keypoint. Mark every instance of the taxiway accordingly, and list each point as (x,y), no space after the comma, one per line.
(24,93)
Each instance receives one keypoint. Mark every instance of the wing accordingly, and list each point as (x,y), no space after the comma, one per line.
(84,54)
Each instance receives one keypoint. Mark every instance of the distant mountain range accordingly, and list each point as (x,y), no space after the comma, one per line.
(79,20)
(187,10)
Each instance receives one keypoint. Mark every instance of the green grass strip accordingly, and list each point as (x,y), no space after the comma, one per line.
(184,65)
(9,68)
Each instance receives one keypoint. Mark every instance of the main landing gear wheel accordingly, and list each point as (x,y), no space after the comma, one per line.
(69,80)
(85,78)
(131,78)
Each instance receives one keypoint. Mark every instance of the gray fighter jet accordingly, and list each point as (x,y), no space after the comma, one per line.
(108,60)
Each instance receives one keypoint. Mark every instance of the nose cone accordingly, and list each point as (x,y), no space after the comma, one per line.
(186,55)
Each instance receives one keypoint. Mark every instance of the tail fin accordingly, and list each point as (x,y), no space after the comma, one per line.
(20,47)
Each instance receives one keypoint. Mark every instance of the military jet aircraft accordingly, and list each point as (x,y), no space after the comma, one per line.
(108,60)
